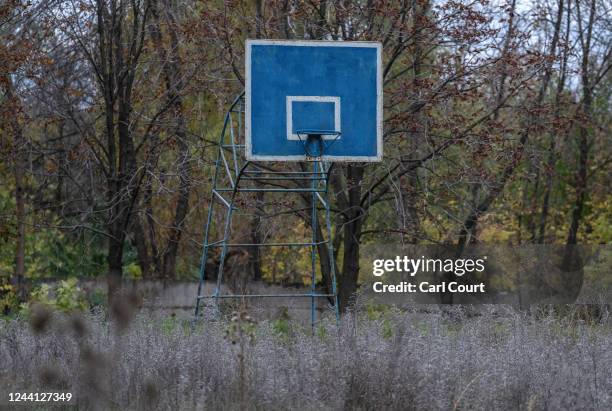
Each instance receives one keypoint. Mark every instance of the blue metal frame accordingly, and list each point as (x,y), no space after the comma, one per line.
(240,175)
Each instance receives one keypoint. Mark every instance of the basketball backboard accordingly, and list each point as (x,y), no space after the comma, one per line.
(329,88)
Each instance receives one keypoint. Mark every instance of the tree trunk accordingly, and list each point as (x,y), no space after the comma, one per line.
(19,173)
(353,219)
(126,194)
(182,206)
(411,223)
(254,251)
(116,65)
(583,143)
(350,267)
(581,185)
(114,259)
(150,233)
(13,105)
(139,242)
(551,160)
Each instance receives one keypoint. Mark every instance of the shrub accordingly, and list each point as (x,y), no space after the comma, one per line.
(66,296)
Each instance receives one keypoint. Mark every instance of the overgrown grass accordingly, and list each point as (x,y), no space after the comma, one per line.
(409,360)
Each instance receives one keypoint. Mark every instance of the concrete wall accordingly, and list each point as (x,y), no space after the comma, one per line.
(178,298)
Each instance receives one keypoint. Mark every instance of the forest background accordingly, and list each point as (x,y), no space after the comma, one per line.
(496,131)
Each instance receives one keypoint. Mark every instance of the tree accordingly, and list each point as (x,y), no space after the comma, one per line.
(18,42)
(112,40)
(426,68)
(172,69)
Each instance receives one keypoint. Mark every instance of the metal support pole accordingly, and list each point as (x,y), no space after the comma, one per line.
(240,178)
(204,257)
(226,234)
(205,247)
(313,223)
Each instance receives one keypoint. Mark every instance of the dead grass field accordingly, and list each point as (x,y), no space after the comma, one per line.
(400,361)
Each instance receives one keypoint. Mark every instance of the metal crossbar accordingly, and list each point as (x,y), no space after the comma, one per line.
(220,243)
(270,190)
(233,175)
(238,296)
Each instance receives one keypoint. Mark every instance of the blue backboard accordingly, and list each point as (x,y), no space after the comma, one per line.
(331,88)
